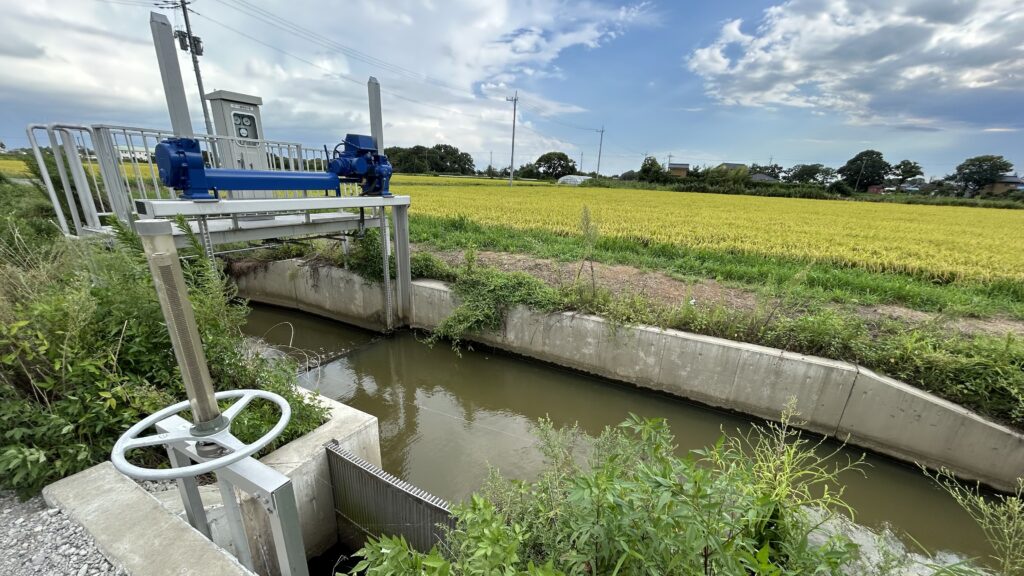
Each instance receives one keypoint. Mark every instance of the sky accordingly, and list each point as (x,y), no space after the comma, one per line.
(791,82)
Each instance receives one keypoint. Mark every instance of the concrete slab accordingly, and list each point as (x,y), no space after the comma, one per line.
(133,530)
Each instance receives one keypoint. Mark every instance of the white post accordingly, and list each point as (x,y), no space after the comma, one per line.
(170,74)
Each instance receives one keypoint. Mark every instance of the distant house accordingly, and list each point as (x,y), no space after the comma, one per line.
(762,178)
(131,153)
(573,180)
(1003,185)
(678,169)
(730,166)
(876,189)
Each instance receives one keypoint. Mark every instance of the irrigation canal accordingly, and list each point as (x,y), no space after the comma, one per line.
(445,417)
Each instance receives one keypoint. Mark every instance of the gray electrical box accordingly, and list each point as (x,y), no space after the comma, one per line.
(238,117)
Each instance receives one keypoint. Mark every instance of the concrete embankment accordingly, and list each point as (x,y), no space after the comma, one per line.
(835,398)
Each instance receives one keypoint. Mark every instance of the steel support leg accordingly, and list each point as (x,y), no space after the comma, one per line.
(285,526)
(234,516)
(189,490)
(385,245)
(403,268)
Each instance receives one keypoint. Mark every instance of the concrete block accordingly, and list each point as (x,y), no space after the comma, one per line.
(630,354)
(340,295)
(698,368)
(272,283)
(304,460)
(767,379)
(897,419)
(133,530)
(432,302)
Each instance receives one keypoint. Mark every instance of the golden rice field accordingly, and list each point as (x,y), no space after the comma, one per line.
(934,241)
(13,167)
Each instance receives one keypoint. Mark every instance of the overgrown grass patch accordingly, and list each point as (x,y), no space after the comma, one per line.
(84,352)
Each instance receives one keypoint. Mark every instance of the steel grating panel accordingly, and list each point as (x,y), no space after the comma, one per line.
(378,503)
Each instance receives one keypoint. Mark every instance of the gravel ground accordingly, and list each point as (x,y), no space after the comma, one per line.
(40,541)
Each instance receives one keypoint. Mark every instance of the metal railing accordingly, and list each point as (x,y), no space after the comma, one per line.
(103,169)
(378,503)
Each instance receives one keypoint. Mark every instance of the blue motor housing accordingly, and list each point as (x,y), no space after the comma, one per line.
(360,162)
(179,162)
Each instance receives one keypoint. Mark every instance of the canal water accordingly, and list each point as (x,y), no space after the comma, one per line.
(445,417)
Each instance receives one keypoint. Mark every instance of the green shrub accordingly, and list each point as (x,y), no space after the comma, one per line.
(84,354)
(634,507)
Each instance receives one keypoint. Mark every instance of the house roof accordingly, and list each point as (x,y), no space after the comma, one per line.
(731,165)
(672,165)
(1009,179)
(763,178)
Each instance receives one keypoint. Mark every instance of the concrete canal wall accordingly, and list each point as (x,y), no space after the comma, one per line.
(835,398)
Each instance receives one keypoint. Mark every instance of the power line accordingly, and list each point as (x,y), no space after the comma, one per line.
(304,33)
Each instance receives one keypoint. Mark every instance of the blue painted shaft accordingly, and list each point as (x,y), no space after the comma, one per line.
(228,179)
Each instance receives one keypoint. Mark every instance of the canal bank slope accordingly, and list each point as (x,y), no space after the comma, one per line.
(835,398)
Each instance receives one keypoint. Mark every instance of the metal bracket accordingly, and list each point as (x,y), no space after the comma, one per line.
(272,489)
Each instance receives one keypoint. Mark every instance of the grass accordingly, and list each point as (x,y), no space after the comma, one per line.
(774,276)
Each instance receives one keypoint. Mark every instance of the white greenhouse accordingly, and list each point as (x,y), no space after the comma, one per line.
(573,180)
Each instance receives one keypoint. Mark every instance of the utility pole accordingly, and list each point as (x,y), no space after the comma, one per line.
(600,145)
(195,47)
(856,186)
(512,163)
(669,161)
(490,165)
(581,161)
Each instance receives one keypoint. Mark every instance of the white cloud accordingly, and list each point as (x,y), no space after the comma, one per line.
(94,62)
(908,64)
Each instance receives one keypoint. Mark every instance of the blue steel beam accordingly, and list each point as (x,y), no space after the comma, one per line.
(181,166)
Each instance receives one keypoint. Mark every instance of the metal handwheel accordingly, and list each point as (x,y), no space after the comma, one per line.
(130,440)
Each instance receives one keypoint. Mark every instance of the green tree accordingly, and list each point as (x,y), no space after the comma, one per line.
(773,170)
(528,170)
(905,170)
(651,170)
(867,168)
(975,173)
(804,173)
(555,165)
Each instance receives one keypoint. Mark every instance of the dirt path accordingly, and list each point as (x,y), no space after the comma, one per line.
(669,291)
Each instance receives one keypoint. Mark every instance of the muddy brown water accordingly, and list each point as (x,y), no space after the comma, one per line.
(444,418)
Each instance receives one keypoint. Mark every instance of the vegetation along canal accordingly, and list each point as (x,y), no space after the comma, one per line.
(445,417)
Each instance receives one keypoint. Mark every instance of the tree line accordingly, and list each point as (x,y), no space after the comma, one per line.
(865,170)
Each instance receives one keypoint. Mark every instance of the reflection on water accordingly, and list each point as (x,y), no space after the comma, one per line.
(444,418)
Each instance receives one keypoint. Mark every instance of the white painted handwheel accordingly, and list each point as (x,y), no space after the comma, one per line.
(130,440)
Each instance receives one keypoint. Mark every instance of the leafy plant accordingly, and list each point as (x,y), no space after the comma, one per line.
(633,507)
(84,353)
(1000,517)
